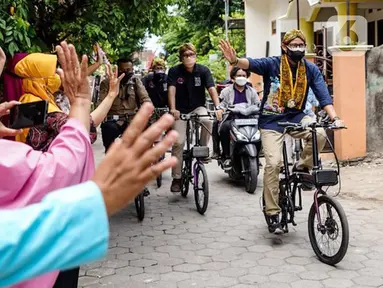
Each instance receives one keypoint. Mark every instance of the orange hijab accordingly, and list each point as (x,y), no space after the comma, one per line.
(40,81)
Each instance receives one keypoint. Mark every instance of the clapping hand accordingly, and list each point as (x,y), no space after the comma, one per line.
(129,163)
(228,51)
(73,75)
(3,58)
(114,80)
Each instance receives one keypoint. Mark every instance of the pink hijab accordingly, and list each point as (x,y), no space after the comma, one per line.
(28,175)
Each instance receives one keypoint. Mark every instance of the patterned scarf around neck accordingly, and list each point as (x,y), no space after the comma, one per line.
(290,95)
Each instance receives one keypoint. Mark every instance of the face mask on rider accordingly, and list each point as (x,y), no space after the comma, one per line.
(159,75)
(241,81)
(53,83)
(127,76)
(295,54)
(189,62)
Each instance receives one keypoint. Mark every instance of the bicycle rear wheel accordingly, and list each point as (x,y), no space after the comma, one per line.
(332,229)
(159,178)
(201,188)
(140,206)
(185,180)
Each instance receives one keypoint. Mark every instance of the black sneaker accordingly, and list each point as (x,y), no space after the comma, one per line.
(304,170)
(306,186)
(176,186)
(146,192)
(206,160)
(227,164)
(274,224)
(215,156)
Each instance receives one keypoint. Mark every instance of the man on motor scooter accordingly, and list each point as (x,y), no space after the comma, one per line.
(236,93)
(186,94)
(287,79)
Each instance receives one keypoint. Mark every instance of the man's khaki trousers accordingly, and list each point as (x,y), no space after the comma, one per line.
(178,147)
(272,142)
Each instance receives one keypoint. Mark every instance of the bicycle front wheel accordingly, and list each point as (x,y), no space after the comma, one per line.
(329,239)
(140,206)
(201,188)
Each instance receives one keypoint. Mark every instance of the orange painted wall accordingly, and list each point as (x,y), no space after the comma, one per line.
(350,103)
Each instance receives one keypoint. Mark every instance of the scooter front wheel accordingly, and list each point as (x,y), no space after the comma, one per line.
(251,173)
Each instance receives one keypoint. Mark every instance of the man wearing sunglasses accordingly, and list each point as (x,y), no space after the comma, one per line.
(186,94)
(287,80)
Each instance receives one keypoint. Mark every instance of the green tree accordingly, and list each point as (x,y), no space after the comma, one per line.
(202,23)
(119,26)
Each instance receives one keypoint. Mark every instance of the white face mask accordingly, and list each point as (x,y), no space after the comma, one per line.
(241,81)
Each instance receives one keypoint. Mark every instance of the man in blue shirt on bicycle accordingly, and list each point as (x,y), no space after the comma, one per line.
(186,94)
(287,80)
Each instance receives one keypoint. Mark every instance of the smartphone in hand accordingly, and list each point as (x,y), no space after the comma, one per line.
(28,115)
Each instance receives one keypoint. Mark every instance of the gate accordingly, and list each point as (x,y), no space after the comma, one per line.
(323,60)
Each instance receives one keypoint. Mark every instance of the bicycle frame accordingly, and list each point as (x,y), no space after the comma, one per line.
(289,179)
(188,153)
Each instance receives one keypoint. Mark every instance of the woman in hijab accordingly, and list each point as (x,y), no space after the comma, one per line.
(40,82)
(29,175)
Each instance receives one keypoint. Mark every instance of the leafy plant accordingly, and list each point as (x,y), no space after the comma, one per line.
(201,23)
(16,33)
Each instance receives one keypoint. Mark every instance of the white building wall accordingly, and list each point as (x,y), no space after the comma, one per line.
(258,27)
(277,9)
(259,15)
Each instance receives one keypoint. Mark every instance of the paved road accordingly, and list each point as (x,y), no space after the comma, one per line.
(230,247)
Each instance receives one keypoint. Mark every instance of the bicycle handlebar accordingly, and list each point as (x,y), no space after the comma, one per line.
(298,126)
(186,117)
(161,109)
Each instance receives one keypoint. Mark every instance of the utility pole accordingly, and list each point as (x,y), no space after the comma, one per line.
(227,32)
(298,16)
(348,23)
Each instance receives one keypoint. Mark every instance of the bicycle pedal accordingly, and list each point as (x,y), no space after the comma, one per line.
(146,193)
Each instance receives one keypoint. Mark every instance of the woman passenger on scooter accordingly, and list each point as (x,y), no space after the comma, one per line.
(239,92)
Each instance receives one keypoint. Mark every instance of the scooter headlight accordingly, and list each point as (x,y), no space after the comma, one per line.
(239,135)
(256,136)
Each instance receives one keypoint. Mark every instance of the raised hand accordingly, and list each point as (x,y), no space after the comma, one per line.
(73,76)
(100,55)
(128,165)
(114,80)
(227,51)
(3,58)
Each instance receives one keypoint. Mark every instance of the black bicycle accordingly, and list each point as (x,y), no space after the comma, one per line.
(195,173)
(158,112)
(327,220)
(139,201)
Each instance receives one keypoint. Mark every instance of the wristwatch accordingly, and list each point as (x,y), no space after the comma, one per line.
(235,63)
(336,118)
(217,108)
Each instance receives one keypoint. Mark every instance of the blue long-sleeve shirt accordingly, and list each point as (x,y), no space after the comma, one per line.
(269,68)
(67,229)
